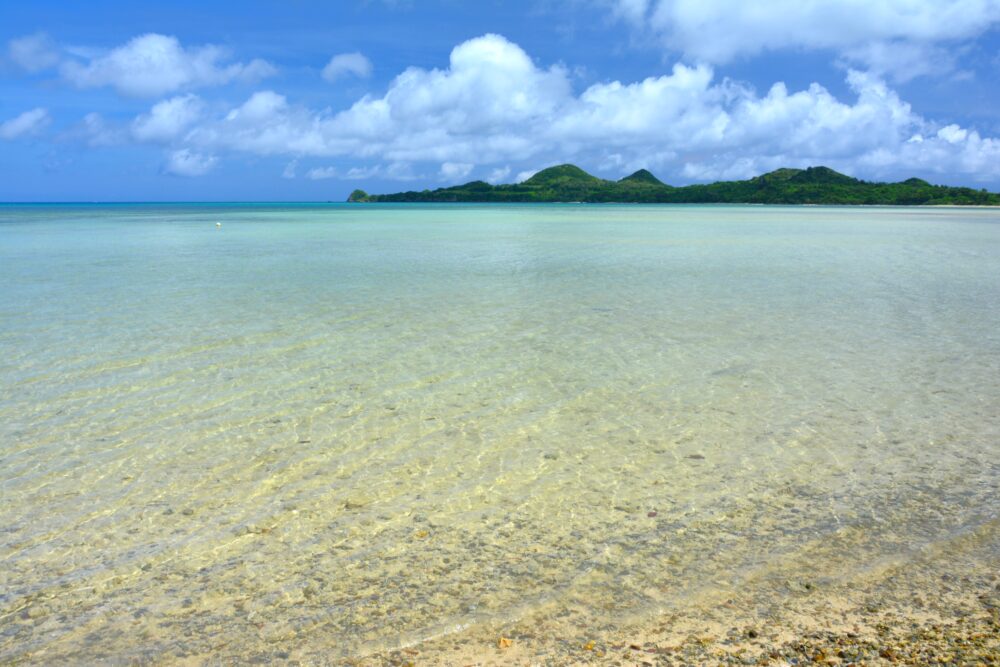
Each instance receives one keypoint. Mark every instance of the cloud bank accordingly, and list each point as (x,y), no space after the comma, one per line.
(493,106)
(898,37)
(152,65)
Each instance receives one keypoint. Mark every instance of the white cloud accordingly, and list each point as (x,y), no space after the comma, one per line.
(167,119)
(494,106)
(33,53)
(454,170)
(525,175)
(894,36)
(266,124)
(321,173)
(401,171)
(356,173)
(185,162)
(359,173)
(498,174)
(152,64)
(953,134)
(28,123)
(289,170)
(354,64)
(485,107)
(902,60)
(97,132)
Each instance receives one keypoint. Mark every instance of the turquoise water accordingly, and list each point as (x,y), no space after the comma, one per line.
(338,429)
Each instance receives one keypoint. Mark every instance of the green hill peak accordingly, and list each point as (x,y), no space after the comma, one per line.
(560,174)
(642,176)
(822,175)
(816,175)
(783,174)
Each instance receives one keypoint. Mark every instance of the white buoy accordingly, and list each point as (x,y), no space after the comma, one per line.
(218,224)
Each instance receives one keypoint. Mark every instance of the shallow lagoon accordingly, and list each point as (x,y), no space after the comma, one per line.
(343,429)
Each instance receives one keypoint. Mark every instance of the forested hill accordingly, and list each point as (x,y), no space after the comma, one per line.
(815,185)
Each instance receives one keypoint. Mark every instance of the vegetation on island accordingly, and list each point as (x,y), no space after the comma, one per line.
(815,185)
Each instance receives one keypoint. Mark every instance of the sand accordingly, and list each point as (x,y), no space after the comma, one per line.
(941,607)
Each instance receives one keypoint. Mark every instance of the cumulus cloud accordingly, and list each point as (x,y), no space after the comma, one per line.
(498,174)
(33,53)
(95,131)
(494,106)
(890,36)
(486,106)
(185,162)
(28,123)
(453,170)
(167,119)
(344,64)
(152,65)
(321,173)
(358,173)
(290,169)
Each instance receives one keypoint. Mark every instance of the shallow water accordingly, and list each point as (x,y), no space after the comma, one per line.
(356,427)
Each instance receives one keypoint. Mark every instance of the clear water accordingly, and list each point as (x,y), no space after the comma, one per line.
(351,428)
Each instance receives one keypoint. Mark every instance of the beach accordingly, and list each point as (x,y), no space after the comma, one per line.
(477,434)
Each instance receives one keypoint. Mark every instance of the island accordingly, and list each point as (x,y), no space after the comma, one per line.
(815,185)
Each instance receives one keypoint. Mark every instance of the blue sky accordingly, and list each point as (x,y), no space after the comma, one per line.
(299,100)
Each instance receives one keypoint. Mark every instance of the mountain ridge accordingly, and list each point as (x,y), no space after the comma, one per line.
(812,185)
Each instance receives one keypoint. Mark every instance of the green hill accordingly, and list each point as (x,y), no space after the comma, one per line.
(815,185)
(561,175)
(642,176)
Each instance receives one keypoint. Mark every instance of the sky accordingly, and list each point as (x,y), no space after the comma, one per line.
(296,100)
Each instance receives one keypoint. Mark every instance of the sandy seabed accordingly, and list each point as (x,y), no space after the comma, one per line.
(938,608)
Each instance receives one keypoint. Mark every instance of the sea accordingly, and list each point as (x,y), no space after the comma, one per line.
(236,431)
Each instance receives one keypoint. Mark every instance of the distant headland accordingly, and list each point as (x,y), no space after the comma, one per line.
(815,185)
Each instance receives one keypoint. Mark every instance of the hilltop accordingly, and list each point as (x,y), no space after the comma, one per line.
(815,185)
